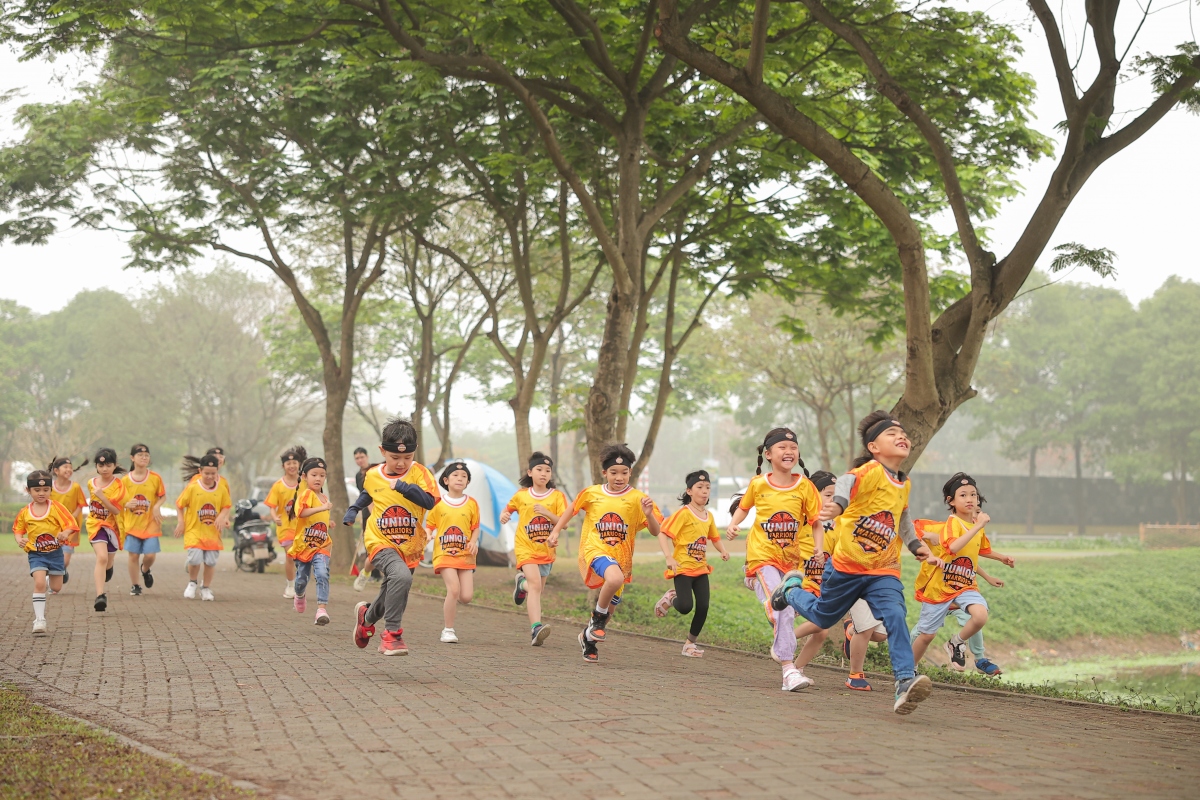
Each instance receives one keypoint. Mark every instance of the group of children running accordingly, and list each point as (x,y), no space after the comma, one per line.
(822,547)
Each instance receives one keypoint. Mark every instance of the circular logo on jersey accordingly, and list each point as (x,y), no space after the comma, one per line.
(874,533)
(539,529)
(397,524)
(612,528)
(813,569)
(316,535)
(781,528)
(207,514)
(140,505)
(959,573)
(97,509)
(46,543)
(697,550)
(453,541)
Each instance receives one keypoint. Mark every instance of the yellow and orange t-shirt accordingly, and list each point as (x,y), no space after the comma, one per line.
(610,526)
(453,524)
(781,536)
(281,498)
(44,534)
(137,520)
(200,505)
(313,535)
(942,584)
(533,527)
(867,531)
(691,536)
(396,522)
(74,501)
(98,515)
(814,570)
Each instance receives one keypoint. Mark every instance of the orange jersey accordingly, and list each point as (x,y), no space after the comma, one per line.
(867,531)
(313,535)
(942,584)
(199,506)
(453,525)
(691,536)
(397,522)
(74,501)
(99,516)
(783,517)
(610,526)
(137,520)
(533,527)
(46,533)
(281,498)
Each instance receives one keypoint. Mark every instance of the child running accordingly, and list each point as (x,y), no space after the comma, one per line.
(870,505)
(684,541)
(203,513)
(141,517)
(279,500)
(312,546)
(399,492)
(613,512)
(538,506)
(782,539)
(454,525)
(69,495)
(108,494)
(961,543)
(42,528)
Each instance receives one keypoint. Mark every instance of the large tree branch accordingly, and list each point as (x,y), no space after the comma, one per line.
(1058,55)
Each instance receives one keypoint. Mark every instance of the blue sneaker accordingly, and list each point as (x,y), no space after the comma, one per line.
(793,579)
(858,682)
(988,668)
(911,691)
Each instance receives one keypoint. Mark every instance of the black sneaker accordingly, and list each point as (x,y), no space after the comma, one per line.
(108,574)
(958,659)
(148,578)
(101,602)
(66,577)
(591,653)
(539,634)
(911,691)
(519,592)
(595,628)
(135,591)
(791,580)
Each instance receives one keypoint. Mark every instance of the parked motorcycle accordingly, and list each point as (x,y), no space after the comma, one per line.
(253,542)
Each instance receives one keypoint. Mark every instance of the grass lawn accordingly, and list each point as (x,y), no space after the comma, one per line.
(45,755)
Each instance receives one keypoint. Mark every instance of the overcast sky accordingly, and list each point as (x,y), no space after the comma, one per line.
(1144,204)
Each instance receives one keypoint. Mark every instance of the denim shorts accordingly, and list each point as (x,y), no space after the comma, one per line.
(544,569)
(51,562)
(933,615)
(150,544)
(196,557)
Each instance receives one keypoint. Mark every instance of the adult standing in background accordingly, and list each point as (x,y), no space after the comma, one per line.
(360,552)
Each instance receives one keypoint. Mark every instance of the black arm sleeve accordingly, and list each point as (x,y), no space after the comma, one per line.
(416,494)
(362,504)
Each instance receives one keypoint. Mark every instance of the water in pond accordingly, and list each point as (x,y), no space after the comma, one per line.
(1175,676)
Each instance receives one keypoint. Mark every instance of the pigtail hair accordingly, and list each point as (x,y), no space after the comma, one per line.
(735,501)
(758,467)
(190,468)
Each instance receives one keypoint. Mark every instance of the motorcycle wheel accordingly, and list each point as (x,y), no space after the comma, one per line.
(243,563)
(262,566)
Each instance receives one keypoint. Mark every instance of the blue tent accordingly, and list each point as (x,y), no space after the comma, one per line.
(491,491)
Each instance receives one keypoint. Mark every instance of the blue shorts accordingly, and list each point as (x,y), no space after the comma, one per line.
(68,548)
(601,563)
(150,544)
(50,562)
(544,569)
(933,615)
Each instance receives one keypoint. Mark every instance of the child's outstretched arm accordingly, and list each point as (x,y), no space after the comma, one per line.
(739,514)
(362,502)
(908,534)
(993,581)
(552,540)
(842,489)
(415,494)
(1007,561)
(721,548)
(667,545)
(651,518)
(958,544)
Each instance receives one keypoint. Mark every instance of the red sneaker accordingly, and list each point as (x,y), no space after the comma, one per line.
(392,644)
(362,631)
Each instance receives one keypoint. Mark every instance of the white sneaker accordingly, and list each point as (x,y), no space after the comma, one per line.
(796,681)
(190,592)
(206,594)
(39,626)
(360,582)
(289,591)
(449,636)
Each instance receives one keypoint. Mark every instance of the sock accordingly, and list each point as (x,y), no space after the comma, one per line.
(535,626)
(604,610)
(956,640)
(191,583)
(39,605)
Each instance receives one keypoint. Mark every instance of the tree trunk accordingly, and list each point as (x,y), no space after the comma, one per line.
(604,398)
(337,395)
(555,411)
(1080,506)
(1031,492)
(1181,504)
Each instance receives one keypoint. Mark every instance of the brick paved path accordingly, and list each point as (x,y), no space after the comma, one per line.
(249,688)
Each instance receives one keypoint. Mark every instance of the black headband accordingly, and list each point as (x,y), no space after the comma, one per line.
(540,461)
(396,447)
(823,480)
(103,458)
(208,460)
(313,463)
(958,480)
(141,448)
(614,460)
(289,455)
(452,467)
(695,477)
(777,437)
(215,451)
(879,427)
(36,483)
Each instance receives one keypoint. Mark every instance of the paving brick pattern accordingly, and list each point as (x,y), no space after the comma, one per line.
(248,687)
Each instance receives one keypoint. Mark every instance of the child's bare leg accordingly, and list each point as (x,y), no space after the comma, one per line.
(979,618)
(135,576)
(534,583)
(67,558)
(39,581)
(147,561)
(920,645)
(466,586)
(450,579)
(193,572)
(289,568)
(614,579)
(55,583)
(810,649)
(208,575)
(100,548)
(858,647)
